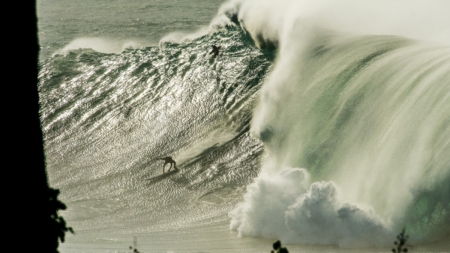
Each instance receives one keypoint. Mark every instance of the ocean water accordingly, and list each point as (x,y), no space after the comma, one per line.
(111,26)
(325,124)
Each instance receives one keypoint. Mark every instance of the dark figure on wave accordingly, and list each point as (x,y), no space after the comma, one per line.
(169,160)
(215,51)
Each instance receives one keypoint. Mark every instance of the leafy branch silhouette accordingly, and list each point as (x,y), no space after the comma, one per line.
(57,223)
(402,238)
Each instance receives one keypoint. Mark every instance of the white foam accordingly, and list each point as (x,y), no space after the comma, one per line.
(285,207)
(102,45)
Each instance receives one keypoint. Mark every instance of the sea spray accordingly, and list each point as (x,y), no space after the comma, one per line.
(269,20)
(368,119)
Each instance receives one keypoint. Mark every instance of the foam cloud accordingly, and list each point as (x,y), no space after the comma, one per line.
(284,207)
(319,217)
(266,200)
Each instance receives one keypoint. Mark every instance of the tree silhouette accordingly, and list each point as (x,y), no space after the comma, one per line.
(277,248)
(402,237)
(57,223)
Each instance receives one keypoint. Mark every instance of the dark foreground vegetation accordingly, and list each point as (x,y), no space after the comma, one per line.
(402,237)
(58,227)
(277,248)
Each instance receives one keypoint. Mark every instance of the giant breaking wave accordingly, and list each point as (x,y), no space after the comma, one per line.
(363,105)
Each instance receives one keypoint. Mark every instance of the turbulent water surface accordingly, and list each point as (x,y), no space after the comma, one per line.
(330,137)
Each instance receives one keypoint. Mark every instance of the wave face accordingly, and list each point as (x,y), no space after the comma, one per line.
(107,118)
(367,118)
(343,139)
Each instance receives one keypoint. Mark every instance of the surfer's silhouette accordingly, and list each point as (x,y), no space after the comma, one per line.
(215,50)
(169,160)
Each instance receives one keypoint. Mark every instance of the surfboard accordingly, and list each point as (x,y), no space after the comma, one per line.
(163,175)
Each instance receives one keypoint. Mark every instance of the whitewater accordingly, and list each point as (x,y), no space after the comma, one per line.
(325,124)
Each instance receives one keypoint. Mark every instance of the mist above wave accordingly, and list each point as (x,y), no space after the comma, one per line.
(271,21)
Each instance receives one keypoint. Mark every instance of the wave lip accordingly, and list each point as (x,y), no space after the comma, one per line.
(102,45)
